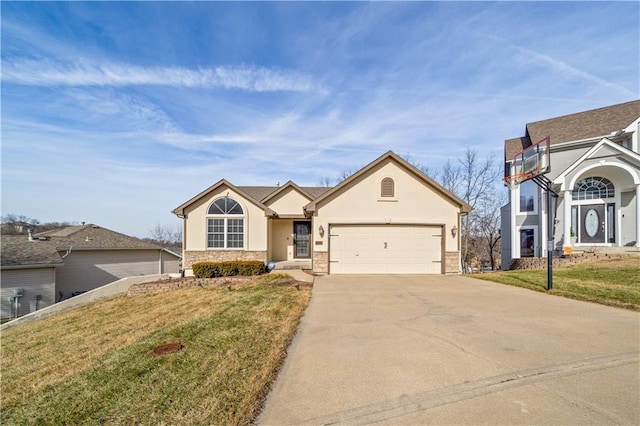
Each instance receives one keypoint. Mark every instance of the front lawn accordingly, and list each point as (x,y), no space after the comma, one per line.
(614,282)
(94,365)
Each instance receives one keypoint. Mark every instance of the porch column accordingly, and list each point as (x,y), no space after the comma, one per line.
(566,220)
(542,222)
(638,215)
(515,235)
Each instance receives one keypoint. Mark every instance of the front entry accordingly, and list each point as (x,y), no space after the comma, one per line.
(593,223)
(302,240)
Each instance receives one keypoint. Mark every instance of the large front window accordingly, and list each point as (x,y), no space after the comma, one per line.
(225,224)
(528,190)
(527,243)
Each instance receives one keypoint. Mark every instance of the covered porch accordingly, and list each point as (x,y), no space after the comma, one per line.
(599,202)
(290,242)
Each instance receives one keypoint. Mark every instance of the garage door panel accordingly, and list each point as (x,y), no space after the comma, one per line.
(373,249)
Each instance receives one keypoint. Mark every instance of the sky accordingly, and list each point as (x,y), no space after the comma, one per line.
(115,113)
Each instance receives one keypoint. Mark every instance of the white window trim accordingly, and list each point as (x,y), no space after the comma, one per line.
(537,252)
(536,196)
(604,202)
(242,216)
(617,201)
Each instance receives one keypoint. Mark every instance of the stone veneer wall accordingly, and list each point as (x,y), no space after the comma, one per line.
(191,257)
(452,262)
(174,284)
(541,262)
(320,262)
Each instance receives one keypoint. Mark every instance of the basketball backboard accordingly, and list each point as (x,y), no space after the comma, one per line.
(530,162)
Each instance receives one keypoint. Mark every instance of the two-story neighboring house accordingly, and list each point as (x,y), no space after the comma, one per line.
(595,170)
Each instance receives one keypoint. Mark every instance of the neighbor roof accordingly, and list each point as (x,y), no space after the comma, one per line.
(88,237)
(573,127)
(17,250)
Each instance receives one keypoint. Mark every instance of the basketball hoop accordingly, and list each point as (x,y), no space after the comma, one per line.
(517,179)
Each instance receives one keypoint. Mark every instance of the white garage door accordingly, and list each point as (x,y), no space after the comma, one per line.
(385,249)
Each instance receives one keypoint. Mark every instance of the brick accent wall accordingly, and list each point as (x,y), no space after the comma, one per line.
(191,257)
(320,262)
(452,262)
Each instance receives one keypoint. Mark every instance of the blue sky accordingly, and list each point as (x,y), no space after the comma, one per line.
(116,113)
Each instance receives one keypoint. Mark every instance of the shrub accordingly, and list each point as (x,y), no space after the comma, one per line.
(229,268)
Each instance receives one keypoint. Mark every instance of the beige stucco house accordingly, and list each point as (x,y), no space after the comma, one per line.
(388,217)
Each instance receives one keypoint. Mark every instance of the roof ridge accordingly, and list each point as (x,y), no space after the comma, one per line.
(589,111)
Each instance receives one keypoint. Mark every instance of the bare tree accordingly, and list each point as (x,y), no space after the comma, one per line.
(167,234)
(473,180)
(325,182)
(450,177)
(409,158)
(488,227)
(13,224)
(346,174)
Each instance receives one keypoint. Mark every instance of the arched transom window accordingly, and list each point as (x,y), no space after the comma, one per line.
(593,188)
(225,229)
(387,188)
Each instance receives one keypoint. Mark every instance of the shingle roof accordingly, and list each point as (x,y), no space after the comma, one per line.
(258,192)
(94,237)
(262,192)
(573,127)
(316,191)
(17,250)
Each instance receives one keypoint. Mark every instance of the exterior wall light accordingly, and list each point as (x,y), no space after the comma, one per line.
(454,231)
(321,231)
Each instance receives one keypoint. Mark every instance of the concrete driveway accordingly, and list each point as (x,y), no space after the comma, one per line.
(454,350)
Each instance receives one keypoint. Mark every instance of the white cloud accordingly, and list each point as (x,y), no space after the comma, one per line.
(46,72)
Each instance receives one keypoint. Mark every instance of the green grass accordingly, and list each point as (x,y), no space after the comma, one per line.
(94,365)
(614,282)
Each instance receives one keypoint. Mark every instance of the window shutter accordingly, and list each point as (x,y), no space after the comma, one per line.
(386,187)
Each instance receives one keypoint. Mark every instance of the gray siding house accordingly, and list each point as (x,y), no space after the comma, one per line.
(57,264)
(27,275)
(595,170)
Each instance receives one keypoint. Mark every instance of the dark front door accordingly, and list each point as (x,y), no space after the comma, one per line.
(592,223)
(302,239)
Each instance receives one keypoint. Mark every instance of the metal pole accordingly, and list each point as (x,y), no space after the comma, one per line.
(550,220)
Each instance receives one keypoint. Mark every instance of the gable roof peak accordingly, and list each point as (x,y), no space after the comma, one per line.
(465,208)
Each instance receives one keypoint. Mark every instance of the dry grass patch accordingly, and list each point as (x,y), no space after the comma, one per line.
(614,282)
(94,365)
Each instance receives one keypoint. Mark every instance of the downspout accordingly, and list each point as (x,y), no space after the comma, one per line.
(160,261)
(68,252)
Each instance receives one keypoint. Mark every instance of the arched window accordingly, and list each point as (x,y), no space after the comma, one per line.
(387,187)
(593,188)
(226,228)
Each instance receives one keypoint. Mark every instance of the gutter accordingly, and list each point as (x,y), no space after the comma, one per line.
(37,266)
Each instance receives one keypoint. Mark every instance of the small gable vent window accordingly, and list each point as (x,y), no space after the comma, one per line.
(387,187)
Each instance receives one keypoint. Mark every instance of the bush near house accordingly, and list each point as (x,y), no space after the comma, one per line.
(228,269)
